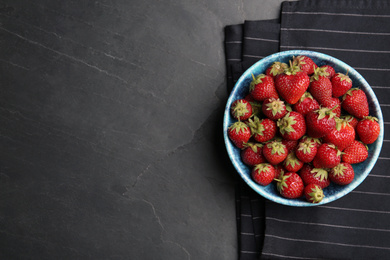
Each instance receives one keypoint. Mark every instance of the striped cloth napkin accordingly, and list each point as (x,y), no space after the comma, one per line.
(356,226)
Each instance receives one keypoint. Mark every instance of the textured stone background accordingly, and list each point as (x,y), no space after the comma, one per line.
(111,129)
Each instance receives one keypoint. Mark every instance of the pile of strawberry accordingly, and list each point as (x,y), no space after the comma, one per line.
(301,126)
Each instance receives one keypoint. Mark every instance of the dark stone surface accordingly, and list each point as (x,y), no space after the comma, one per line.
(111,129)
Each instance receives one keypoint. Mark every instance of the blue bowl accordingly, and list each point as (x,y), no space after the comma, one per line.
(332,192)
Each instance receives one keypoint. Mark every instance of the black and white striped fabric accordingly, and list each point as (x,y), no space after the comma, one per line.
(242,52)
(356,226)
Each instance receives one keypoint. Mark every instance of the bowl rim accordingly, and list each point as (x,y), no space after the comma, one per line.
(299,202)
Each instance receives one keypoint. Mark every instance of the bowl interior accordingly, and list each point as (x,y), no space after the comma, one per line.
(333,192)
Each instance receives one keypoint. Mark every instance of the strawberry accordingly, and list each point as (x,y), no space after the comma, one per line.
(316,141)
(342,136)
(355,103)
(274,108)
(256,108)
(239,133)
(320,87)
(263,173)
(290,144)
(335,105)
(306,150)
(275,152)
(305,63)
(355,153)
(317,176)
(262,87)
(252,154)
(342,174)
(328,156)
(341,83)
(306,104)
(275,69)
(290,185)
(329,70)
(249,98)
(279,169)
(292,163)
(292,84)
(241,109)
(368,129)
(352,121)
(292,126)
(320,122)
(262,130)
(313,193)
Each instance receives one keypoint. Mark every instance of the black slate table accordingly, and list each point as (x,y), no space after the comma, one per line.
(111,129)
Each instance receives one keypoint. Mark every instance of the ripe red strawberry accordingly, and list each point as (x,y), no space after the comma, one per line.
(320,122)
(316,141)
(239,133)
(352,121)
(249,98)
(328,156)
(368,129)
(290,185)
(306,150)
(256,108)
(355,153)
(292,126)
(279,169)
(305,63)
(274,108)
(313,193)
(355,103)
(329,70)
(306,104)
(263,174)
(292,163)
(290,144)
(335,105)
(317,176)
(275,152)
(342,136)
(342,174)
(275,69)
(263,87)
(320,87)
(241,109)
(252,154)
(341,83)
(262,130)
(292,84)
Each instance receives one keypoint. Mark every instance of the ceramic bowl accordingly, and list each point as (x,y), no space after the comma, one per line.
(332,192)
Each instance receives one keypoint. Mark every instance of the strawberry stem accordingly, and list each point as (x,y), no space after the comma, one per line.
(253,76)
